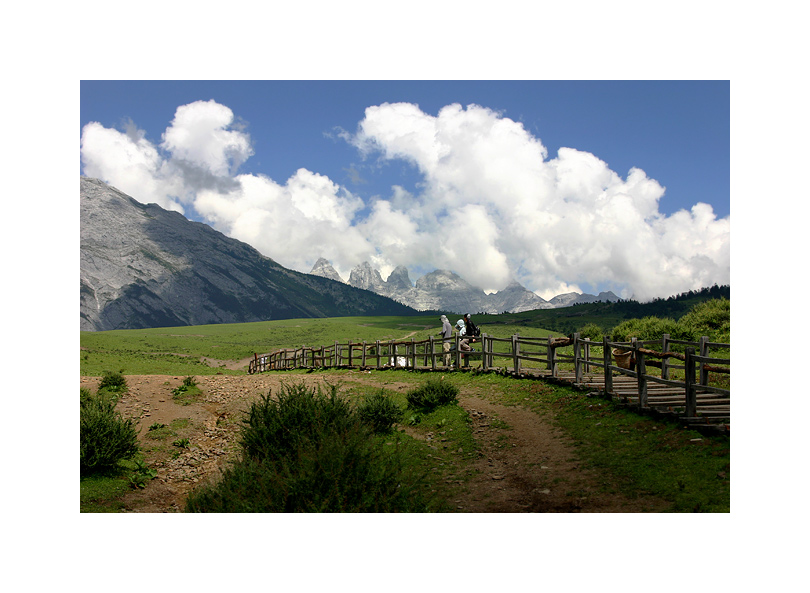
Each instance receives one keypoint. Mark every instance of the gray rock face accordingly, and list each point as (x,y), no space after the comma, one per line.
(324,269)
(443,290)
(399,280)
(143,266)
(367,278)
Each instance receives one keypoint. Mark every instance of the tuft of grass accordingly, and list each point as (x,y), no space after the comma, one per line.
(380,412)
(187,393)
(432,394)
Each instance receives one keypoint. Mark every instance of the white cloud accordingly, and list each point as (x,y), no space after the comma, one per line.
(552,224)
(130,163)
(199,134)
(491,206)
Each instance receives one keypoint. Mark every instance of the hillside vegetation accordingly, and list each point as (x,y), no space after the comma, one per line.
(205,349)
(606,316)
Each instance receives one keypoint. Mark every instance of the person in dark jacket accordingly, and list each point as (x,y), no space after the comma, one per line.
(471,330)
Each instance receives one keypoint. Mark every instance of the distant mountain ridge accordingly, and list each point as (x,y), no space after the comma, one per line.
(143,266)
(443,290)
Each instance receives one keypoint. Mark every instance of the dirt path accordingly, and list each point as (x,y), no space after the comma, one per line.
(526,465)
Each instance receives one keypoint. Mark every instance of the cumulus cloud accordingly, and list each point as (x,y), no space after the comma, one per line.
(552,224)
(490,205)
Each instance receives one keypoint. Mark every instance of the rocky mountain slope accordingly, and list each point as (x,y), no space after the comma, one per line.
(443,290)
(143,266)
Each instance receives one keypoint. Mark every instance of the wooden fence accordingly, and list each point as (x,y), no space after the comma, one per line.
(668,376)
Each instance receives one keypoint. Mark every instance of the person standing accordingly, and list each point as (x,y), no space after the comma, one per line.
(464,343)
(447,337)
(471,329)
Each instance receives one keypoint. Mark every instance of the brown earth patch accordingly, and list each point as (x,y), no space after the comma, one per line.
(525,463)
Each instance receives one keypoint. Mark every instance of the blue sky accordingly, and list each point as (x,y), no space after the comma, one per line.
(676,132)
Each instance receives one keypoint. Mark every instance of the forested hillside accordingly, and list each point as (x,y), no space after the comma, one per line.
(607,315)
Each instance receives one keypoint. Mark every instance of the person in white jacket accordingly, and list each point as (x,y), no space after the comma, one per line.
(447,338)
(464,343)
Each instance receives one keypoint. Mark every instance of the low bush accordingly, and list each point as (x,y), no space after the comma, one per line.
(380,412)
(300,417)
(650,328)
(113,382)
(105,437)
(345,473)
(710,318)
(308,451)
(431,395)
(592,331)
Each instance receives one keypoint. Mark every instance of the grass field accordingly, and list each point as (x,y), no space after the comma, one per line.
(641,454)
(178,350)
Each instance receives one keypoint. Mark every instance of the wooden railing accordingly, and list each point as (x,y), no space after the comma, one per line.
(685,367)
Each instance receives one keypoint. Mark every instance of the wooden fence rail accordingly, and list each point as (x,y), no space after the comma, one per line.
(695,391)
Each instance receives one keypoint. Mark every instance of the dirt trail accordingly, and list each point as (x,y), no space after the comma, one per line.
(526,465)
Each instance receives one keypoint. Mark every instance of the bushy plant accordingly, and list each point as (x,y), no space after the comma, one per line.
(650,328)
(592,331)
(105,437)
(308,451)
(113,382)
(344,473)
(432,394)
(380,412)
(710,318)
(300,416)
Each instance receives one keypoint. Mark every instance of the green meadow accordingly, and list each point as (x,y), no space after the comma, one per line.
(640,455)
(180,350)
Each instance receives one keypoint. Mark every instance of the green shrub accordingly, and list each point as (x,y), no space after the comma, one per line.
(710,318)
(592,331)
(431,395)
(348,472)
(650,328)
(380,412)
(309,452)
(299,417)
(105,437)
(113,382)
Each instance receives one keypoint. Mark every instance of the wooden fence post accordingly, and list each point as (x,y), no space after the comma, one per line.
(433,354)
(552,358)
(577,361)
(484,362)
(363,359)
(377,350)
(516,354)
(665,359)
(704,351)
(641,370)
(691,391)
(337,355)
(606,355)
(587,354)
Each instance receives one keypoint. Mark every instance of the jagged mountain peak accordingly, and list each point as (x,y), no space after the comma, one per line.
(367,277)
(324,269)
(399,279)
